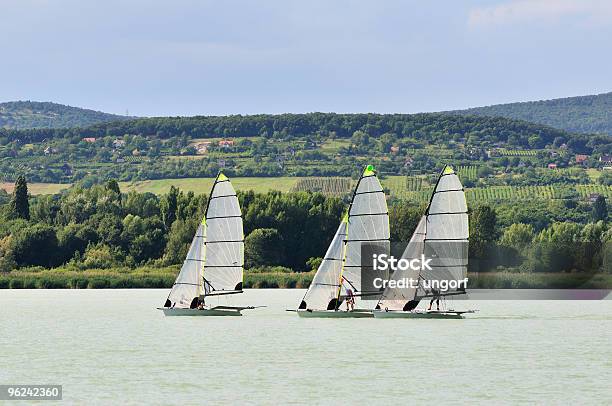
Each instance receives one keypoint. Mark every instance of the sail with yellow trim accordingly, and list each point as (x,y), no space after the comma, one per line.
(339,275)
(215,261)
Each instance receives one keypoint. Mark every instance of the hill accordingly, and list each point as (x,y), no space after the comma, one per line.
(421,126)
(29,114)
(582,114)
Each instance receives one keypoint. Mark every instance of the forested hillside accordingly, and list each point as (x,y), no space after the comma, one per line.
(315,144)
(28,114)
(583,114)
(426,126)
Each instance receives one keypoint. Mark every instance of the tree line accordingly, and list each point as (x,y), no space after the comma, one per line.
(422,126)
(101,227)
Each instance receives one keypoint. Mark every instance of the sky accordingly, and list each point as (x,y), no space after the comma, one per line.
(188,57)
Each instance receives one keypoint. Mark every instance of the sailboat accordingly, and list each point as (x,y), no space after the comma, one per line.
(442,235)
(215,262)
(338,278)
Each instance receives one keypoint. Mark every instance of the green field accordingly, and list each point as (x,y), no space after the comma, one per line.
(203,185)
(402,187)
(37,188)
(334,145)
(517,152)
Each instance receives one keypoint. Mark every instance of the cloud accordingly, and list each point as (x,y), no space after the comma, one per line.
(589,12)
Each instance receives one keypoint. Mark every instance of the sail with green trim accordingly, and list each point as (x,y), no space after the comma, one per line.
(366,222)
(368,225)
(215,261)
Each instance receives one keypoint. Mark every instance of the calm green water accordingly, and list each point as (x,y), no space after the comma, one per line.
(113,347)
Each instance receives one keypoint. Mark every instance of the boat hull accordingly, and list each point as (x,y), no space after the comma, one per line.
(200,312)
(398,314)
(340,314)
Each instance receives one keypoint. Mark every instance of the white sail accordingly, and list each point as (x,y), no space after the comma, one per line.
(224,263)
(442,235)
(447,232)
(322,293)
(399,298)
(368,223)
(189,282)
(215,259)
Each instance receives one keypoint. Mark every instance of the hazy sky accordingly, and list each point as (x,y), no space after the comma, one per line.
(186,57)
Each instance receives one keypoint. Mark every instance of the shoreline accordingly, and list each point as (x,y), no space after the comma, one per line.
(163,278)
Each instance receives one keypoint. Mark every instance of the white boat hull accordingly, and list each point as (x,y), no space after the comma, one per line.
(335,313)
(200,312)
(434,314)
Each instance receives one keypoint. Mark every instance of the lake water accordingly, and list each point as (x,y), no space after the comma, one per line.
(114,347)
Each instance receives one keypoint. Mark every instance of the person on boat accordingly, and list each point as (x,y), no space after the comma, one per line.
(350,300)
(435,296)
(201,304)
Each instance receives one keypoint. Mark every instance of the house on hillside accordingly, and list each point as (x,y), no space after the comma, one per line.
(49,151)
(202,147)
(605,159)
(226,143)
(395,149)
(118,143)
(581,158)
(90,140)
(552,166)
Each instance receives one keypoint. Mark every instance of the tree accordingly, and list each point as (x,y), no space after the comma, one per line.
(360,138)
(314,263)
(518,236)
(600,209)
(403,218)
(113,186)
(20,207)
(6,254)
(263,246)
(483,230)
(179,238)
(168,206)
(36,245)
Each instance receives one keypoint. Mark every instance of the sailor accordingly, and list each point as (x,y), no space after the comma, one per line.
(201,304)
(350,300)
(435,296)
